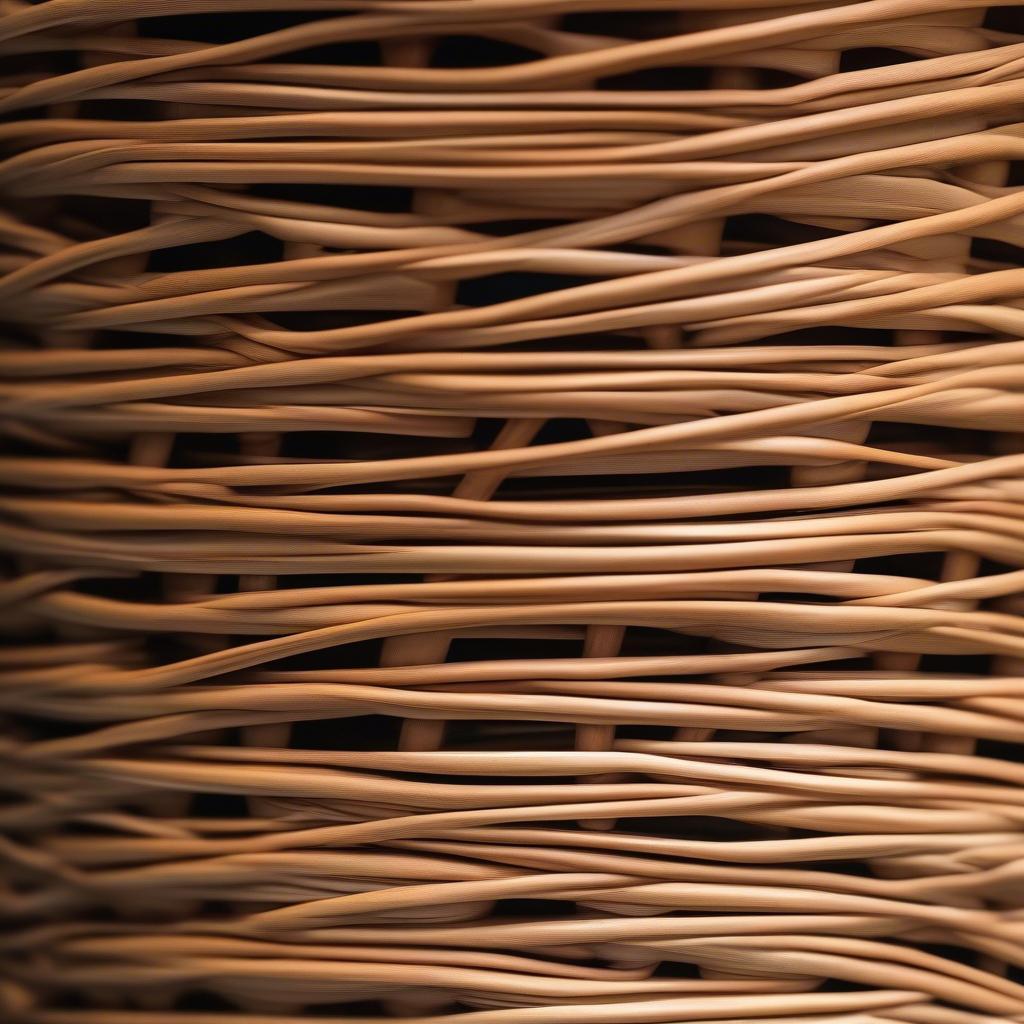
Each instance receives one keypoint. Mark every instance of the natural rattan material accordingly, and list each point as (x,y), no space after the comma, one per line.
(514,511)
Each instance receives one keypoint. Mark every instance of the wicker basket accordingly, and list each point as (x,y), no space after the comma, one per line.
(514,511)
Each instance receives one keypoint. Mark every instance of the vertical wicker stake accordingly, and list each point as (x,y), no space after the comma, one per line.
(512,512)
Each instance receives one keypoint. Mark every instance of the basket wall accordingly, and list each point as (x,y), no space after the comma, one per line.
(512,511)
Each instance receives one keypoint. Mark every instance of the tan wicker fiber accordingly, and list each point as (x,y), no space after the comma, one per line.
(513,511)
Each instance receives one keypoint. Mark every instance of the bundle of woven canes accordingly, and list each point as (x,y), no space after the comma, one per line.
(513,511)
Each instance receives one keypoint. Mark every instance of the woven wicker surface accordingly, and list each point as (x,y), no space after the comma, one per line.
(514,511)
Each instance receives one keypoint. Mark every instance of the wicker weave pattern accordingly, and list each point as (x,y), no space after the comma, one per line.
(514,511)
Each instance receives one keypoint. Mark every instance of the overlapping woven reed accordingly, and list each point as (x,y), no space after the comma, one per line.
(514,511)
